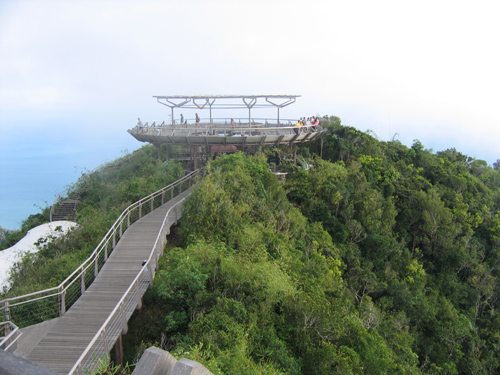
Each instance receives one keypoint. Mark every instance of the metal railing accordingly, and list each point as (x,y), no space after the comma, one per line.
(240,121)
(9,333)
(50,303)
(97,351)
(224,129)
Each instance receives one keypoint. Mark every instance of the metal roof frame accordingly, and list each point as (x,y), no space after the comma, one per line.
(225,102)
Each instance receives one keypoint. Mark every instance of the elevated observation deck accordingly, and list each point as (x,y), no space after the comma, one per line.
(240,132)
(207,134)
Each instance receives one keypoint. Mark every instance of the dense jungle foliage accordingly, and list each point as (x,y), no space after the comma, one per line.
(4,233)
(107,191)
(378,259)
(370,258)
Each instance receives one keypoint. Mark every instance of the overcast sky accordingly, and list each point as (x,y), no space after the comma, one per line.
(75,75)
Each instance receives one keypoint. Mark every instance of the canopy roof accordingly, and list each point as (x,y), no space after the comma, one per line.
(225,101)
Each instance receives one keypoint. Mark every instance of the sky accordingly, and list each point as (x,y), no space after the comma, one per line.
(75,75)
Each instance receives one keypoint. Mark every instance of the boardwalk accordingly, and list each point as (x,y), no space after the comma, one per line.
(60,347)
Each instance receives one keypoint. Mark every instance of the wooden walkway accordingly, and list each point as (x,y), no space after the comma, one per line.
(62,345)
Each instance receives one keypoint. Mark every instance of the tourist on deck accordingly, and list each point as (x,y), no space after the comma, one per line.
(278,159)
(139,122)
(298,126)
(232,123)
(197,120)
(308,125)
(182,120)
(315,124)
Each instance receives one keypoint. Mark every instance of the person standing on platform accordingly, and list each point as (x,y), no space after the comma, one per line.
(298,126)
(197,121)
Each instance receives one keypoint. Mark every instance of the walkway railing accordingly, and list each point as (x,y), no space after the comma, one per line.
(51,303)
(9,333)
(97,351)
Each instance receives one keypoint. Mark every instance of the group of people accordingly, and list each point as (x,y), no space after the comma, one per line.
(184,122)
(306,125)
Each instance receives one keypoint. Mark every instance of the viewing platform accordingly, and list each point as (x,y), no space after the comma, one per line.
(223,133)
(208,134)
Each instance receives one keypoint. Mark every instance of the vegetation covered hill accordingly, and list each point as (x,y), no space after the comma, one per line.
(377,258)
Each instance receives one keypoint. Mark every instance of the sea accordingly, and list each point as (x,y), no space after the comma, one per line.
(36,166)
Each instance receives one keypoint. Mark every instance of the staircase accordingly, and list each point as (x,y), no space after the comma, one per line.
(66,209)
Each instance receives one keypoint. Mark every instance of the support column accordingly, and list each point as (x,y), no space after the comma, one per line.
(158,146)
(191,157)
(195,154)
(119,351)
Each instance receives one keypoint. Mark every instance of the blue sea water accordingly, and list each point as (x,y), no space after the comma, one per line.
(36,165)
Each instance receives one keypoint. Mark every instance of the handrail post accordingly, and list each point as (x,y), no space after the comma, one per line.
(172,192)
(6,329)
(7,311)
(124,320)
(157,258)
(138,291)
(140,210)
(96,266)
(63,302)
(152,274)
(82,282)
(162,197)
(121,230)
(114,239)
(152,200)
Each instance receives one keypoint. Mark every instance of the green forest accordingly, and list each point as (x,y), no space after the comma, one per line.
(369,257)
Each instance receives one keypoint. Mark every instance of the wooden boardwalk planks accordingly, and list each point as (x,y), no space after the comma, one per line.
(61,346)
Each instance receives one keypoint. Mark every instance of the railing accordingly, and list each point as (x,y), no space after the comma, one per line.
(98,349)
(50,303)
(224,129)
(9,333)
(223,120)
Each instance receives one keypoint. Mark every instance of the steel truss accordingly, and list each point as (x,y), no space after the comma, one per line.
(226,102)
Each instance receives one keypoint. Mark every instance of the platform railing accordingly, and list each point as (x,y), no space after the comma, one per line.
(226,130)
(97,352)
(50,303)
(9,333)
(238,122)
